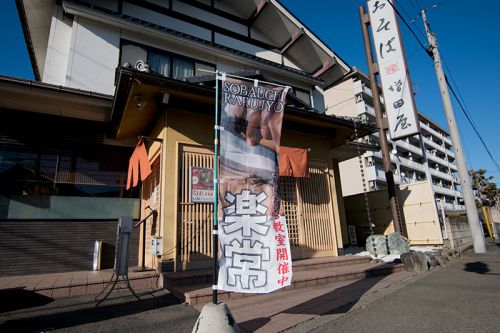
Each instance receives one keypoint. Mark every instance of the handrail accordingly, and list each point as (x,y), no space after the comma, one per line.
(153,212)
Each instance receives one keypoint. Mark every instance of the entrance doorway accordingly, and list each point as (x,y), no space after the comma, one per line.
(307,205)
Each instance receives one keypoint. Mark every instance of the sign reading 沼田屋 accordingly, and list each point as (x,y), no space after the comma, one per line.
(394,76)
(253,236)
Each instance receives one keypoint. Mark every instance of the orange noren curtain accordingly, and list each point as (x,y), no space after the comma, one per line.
(138,161)
(293,162)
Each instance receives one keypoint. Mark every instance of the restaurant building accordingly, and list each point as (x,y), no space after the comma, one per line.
(144,72)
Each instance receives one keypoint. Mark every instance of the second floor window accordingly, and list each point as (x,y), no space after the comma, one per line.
(163,62)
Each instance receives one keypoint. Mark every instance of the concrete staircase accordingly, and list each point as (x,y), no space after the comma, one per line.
(195,287)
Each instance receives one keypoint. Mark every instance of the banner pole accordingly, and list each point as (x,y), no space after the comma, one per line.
(215,239)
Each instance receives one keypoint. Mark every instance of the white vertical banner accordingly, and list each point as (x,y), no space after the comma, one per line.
(394,76)
(255,249)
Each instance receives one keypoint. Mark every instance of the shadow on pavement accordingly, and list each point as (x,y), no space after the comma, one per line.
(19,298)
(340,300)
(478,267)
(63,317)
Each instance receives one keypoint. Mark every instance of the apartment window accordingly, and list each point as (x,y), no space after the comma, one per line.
(162,62)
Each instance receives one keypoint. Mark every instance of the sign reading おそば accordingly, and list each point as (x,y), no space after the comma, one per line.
(394,76)
(253,236)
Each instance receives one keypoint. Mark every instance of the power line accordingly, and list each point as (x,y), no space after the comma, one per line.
(412,21)
(458,89)
(464,144)
(414,6)
(411,30)
(473,126)
(429,52)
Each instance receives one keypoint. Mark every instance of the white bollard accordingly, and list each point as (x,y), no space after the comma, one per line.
(216,318)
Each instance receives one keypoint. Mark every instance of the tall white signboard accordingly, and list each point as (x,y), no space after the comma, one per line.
(394,76)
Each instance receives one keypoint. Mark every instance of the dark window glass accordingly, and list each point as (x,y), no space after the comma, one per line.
(303,95)
(159,63)
(164,63)
(38,183)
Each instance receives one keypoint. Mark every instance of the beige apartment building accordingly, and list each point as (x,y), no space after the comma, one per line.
(353,97)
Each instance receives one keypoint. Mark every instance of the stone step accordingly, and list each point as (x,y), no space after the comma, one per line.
(199,276)
(196,294)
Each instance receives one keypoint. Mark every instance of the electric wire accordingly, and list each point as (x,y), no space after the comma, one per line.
(412,21)
(467,156)
(473,127)
(427,50)
(468,117)
(456,86)
(414,6)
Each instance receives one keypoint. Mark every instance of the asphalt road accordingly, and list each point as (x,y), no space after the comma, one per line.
(157,312)
(464,296)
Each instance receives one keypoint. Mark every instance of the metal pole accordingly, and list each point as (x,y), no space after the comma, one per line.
(215,239)
(389,174)
(143,261)
(470,204)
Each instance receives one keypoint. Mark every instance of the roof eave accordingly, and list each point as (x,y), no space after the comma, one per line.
(27,38)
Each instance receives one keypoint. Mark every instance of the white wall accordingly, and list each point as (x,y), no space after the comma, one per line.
(352,182)
(85,54)
(56,61)
(340,99)
(93,56)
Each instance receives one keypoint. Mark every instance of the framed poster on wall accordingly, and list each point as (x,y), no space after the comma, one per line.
(202,185)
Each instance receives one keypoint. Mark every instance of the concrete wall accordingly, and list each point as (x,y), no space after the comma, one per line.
(56,60)
(459,235)
(352,182)
(340,99)
(418,212)
(93,56)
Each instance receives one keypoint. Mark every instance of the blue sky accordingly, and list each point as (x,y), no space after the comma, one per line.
(469,41)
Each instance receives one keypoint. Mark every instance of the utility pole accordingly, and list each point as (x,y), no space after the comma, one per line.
(381,124)
(470,204)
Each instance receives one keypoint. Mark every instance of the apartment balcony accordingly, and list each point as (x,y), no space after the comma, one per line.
(409,147)
(366,90)
(374,173)
(450,206)
(442,175)
(369,109)
(430,143)
(359,87)
(441,161)
(434,145)
(411,164)
(446,191)
(435,133)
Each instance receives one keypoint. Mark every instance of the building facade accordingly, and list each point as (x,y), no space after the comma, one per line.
(153,63)
(352,97)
